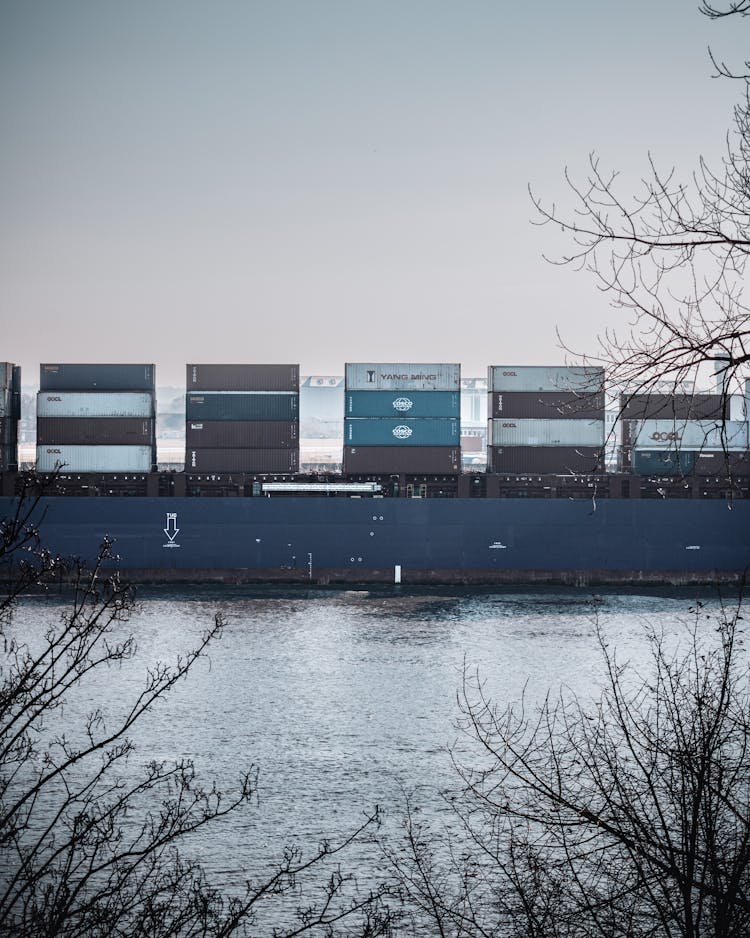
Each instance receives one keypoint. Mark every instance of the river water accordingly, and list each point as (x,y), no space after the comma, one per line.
(346,699)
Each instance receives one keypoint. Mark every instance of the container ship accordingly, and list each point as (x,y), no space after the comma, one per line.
(547,509)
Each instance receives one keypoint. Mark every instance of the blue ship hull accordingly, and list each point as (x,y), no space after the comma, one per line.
(462,540)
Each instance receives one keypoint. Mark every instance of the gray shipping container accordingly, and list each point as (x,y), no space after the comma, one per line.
(95,458)
(686,434)
(242,405)
(402,377)
(100,377)
(387,460)
(96,431)
(673,406)
(553,460)
(580,379)
(242,378)
(241,460)
(242,434)
(546,405)
(95,404)
(561,432)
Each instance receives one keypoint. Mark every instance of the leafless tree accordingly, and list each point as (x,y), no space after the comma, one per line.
(628,816)
(92,846)
(672,253)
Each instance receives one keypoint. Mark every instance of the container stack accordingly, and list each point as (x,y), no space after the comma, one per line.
(679,434)
(242,418)
(402,419)
(96,418)
(545,420)
(10,414)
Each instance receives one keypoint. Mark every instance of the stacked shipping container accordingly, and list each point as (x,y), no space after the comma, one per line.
(10,414)
(402,418)
(96,418)
(242,418)
(678,434)
(545,420)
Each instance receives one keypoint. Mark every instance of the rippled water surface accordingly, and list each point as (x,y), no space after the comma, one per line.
(347,699)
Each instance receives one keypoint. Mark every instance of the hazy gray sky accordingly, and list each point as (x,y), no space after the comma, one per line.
(319,181)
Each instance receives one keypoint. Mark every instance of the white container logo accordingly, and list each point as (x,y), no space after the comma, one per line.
(402,433)
(403,404)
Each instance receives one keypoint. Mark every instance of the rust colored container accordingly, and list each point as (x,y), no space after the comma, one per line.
(676,406)
(554,460)
(241,460)
(95,431)
(546,405)
(242,377)
(8,431)
(241,434)
(415,460)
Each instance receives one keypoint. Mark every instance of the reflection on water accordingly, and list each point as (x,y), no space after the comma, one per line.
(344,699)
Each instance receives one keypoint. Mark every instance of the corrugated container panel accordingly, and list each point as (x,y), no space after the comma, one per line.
(95,404)
(241,460)
(561,432)
(249,405)
(8,431)
(95,458)
(390,431)
(242,378)
(100,377)
(8,457)
(238,434)
(402,377)
(96,431)
(415,460)
(558,460)
(6,374)
(686,434)
(580,379)
(406,404)
(674,406)
(546,405)
(650,462)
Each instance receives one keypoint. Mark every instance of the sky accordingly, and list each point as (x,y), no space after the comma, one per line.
(321,182)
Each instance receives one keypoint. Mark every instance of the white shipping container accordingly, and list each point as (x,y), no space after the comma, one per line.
(402,377)
(95,404)
(562,432)
(688,435)
(578,379)
(94,458)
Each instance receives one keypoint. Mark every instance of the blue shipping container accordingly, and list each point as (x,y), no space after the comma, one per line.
(241,405)
(664,462)
(389,431)
(402,404)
